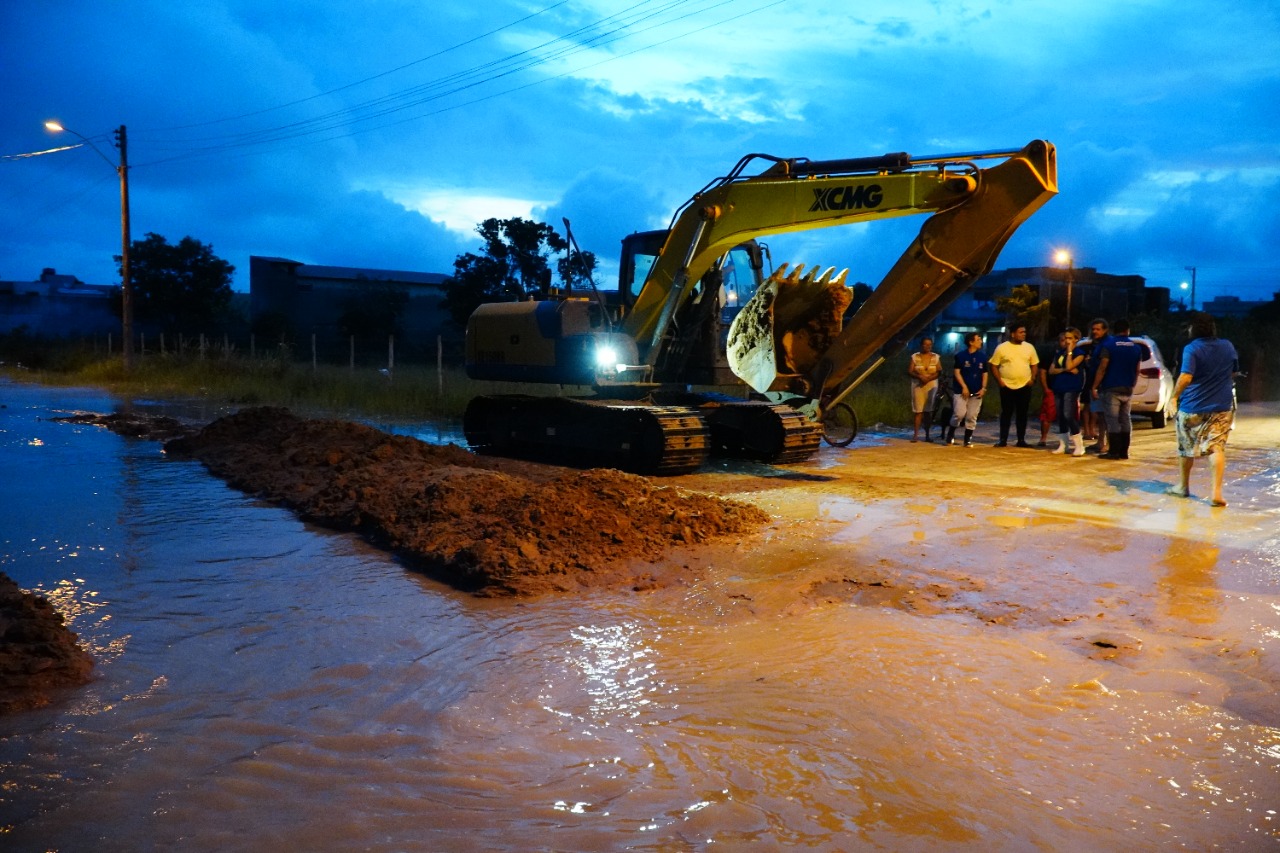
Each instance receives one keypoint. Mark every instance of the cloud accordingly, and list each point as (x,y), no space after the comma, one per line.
(283,127)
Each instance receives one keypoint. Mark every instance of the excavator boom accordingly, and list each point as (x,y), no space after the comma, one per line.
(955,246)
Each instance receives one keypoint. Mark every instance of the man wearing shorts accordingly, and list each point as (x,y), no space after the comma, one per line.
(1205,399)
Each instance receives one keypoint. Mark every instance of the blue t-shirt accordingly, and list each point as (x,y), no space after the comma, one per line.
(1124,356)
(1211,363)
(972,367)
(1065,383)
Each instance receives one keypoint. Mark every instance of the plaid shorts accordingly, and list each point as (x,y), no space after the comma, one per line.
(1199,434)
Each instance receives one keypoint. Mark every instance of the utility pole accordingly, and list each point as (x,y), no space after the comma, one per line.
(1193,286)
(126,282)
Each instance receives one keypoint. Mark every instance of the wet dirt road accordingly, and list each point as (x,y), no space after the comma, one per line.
(928,648)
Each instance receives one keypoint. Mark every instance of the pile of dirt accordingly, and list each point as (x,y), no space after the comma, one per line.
(154,427)
(38,654)
(485,525)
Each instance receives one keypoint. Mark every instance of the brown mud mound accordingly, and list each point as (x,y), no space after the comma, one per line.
(484,525)
(38,654)
(156,428)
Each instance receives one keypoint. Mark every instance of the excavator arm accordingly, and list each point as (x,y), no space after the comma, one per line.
(791,196)
(955,246)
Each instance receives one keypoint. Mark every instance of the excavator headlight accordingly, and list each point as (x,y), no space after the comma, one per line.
(606,358)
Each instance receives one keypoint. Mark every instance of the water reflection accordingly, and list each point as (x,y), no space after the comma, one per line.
(1188,584)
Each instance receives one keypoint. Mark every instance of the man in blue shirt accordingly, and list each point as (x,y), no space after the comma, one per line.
(1114,379)
(970,386)
(1204,396)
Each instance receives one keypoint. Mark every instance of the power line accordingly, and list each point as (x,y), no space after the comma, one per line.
(596,35)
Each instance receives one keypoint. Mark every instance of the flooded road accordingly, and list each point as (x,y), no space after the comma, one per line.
(932,648)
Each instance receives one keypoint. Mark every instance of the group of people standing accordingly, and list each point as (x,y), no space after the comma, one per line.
(1088,390)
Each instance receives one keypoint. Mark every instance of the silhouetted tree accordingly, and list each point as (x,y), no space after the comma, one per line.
(1023,305)
(514,264)
(181,288)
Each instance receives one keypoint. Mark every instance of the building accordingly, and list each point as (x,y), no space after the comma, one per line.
(1230,306)
(1092,294)
(58,305)
(297,300)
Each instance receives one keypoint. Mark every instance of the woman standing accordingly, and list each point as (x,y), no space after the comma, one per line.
(1066,380)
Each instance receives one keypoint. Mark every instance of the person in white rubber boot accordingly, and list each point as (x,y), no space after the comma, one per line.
(1066,380)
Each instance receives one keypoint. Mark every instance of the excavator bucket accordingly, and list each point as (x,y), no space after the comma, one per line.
(780,335)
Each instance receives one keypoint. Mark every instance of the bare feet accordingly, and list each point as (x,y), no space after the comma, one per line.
(1178,492)
(1217,502)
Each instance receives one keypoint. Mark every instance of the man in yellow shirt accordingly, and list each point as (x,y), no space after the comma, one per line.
(1014,366)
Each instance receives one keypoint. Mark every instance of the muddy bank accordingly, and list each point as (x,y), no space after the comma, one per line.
(38,654)
(488,526)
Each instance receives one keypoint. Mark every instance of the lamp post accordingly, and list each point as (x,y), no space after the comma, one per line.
(1062,256)
(1193,286)
(126,283)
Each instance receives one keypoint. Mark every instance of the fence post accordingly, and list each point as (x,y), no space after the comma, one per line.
(391,354)
(108,345)
(352,342)
(142,344)
(226,347)
(439,366)
(202,346)
(313,352)
(253,347)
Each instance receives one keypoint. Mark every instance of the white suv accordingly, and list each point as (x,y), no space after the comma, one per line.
(1155,385)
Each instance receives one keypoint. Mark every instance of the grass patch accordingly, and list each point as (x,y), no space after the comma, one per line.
(412,392)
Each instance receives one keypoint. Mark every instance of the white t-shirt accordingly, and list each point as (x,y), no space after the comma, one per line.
(1014,363)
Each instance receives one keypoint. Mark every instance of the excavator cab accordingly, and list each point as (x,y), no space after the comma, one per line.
(695,352)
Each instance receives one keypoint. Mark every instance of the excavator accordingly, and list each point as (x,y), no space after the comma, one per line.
(694,308)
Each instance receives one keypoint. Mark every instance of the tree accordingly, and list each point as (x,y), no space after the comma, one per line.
(514,265)
(1023,305)
(180,289)
(577,269)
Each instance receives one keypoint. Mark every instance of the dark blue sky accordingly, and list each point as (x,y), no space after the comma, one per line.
(379,133)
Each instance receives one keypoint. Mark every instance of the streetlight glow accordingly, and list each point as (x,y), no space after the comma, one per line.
(1062,256)
(53,126)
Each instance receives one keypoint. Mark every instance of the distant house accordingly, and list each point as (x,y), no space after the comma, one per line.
(309,299)
(57,305)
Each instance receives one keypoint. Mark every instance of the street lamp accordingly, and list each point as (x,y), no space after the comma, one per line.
(1192,270)
(1062,256)
(126,283)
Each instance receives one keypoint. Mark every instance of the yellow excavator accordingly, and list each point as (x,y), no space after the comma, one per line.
(695,308)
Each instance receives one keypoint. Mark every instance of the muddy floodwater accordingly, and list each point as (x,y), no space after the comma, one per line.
(928,648)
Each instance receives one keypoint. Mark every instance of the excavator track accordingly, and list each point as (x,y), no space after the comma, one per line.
(765,432)
(660,440)
(641,439)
